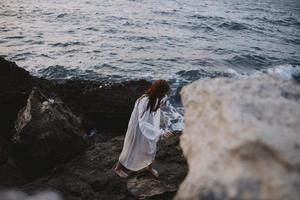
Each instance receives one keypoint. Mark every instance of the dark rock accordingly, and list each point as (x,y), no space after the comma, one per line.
(47,134)
(106,107)
(15,86)
(4,150)
(100,105)
(90,175)
(10,174)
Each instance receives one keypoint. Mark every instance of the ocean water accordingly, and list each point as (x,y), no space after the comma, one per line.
(177,40)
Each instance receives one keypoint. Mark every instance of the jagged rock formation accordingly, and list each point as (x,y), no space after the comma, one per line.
(241,139)
(47,134)
(99,105)
(15,86)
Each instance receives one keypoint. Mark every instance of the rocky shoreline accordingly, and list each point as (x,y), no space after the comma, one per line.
(44,143)
(241,139)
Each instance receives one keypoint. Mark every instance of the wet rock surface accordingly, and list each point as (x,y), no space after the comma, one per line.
(241,139)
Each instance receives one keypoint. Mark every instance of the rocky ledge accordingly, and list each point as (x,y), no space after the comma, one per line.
(241,139)
(90,175)
(46,143)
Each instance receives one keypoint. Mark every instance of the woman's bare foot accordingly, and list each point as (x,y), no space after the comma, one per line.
(118,170)
(120,173)
(152,171)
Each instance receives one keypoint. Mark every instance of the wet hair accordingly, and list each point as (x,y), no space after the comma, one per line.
(156,91)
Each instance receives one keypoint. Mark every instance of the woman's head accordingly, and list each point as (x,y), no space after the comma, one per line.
(157,90)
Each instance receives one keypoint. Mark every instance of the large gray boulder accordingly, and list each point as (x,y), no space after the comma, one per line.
(47,134)
(241,139)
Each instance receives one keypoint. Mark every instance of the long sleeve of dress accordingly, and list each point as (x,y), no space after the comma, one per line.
(146,121)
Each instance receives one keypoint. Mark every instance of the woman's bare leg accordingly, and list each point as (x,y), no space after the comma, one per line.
(118,170)
(152,171)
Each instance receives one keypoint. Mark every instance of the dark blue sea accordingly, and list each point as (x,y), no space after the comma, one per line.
(177,40)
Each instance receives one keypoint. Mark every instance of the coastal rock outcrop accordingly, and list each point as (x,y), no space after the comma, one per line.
(99,105)
(47,134)
(41,146)
(241,139)
(90,175)
(15,85)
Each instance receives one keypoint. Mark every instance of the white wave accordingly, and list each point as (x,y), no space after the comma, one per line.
(172,117)
(284,72)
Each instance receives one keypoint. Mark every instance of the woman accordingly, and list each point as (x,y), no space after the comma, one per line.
(143,131)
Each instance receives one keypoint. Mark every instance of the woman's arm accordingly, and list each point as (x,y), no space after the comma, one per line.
(147,129)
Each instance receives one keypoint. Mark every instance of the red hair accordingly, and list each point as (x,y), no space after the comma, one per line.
(156,91)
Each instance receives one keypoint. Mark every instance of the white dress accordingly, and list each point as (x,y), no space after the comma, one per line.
(142,134)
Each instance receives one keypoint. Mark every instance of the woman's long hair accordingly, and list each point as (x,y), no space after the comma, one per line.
(156,91)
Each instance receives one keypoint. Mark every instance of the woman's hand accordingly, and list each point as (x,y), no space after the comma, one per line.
(167,134)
